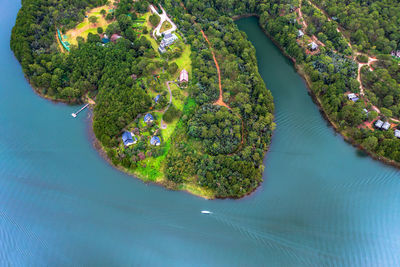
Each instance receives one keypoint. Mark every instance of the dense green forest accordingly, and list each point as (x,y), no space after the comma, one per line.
(213,147)
(371,25)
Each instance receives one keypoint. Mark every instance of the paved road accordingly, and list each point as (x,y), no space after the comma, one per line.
(163,17)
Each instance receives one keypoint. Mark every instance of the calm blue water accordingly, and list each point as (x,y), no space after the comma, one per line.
(61,204)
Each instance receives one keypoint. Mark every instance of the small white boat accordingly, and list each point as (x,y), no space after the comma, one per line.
(206,212)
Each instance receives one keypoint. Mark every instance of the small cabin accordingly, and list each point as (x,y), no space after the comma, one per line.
(148,118)
(128,138)
(183,76)
(397,133)
(162,49)
(386,126)
(155,141)
(300,34)
(313,46)
(105,40)
(157,98)
(379,124)
(365,111)
(353,97)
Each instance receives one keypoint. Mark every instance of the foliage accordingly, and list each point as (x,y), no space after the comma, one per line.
(217,127)
(154,19)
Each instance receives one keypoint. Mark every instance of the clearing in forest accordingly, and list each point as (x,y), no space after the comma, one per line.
(85,27)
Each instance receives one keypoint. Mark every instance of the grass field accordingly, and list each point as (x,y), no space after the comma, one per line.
(184,61)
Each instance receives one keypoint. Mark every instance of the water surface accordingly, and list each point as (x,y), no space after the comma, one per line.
(61,204)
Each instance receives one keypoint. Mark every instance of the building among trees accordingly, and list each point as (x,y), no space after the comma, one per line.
(155,141)
(184,76)
(313,46)
(128,138)
(168,39)
(148,118)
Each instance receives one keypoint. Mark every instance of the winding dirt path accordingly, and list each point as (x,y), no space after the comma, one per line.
(220,100)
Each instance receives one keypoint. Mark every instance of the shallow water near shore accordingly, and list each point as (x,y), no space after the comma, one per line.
(322,203)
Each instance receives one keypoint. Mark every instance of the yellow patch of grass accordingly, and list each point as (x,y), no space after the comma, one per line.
(85,27)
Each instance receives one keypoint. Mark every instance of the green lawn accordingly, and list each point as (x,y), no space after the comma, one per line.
(184,61)
(153,169)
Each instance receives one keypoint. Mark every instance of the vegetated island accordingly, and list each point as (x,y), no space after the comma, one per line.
(177,98)
(349,55)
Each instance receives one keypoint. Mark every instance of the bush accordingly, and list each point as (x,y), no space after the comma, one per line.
(171,114)
(154,19)
(362,58)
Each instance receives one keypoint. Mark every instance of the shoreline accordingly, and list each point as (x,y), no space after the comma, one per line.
(102,153)
(186,187)
(100,150)
(317,101)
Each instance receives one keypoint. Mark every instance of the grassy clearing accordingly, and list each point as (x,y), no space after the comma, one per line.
(165,26)
(184,61)
(150,27)
(85,27)
(152,168)
(179,96)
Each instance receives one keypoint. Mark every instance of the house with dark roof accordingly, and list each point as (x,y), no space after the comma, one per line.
(379,124)
(148,118)
(155,141)
(128,138)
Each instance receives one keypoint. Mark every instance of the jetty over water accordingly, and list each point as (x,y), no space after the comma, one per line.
(75,114)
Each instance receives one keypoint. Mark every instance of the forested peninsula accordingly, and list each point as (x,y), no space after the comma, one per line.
(176,94)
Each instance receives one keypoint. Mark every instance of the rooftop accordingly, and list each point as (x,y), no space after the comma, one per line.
(397,133)
(128,138)
(183,76)
(378,124)
(386,126)
(155,141)
(148,118)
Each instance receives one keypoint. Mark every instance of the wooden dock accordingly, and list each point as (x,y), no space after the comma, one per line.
(75,114)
